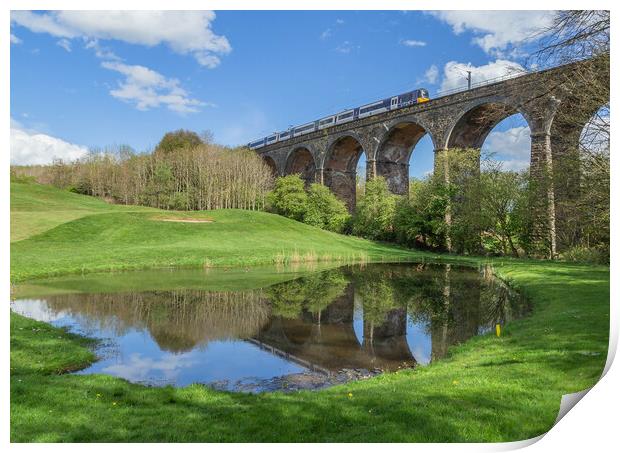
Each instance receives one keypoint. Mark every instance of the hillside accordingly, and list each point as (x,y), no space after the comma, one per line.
(56,232)
(36,208)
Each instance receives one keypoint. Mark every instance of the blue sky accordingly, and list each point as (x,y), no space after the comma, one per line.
(90,80)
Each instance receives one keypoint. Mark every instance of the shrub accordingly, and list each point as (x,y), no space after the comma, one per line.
(289,197)
(324,210)
(583,254)
(374,215)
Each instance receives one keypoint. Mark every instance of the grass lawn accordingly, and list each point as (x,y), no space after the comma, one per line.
(488,389)
(95,236)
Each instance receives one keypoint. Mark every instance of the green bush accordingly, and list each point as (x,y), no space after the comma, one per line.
(583,254)
(289,197)
(324,210)
(374,215)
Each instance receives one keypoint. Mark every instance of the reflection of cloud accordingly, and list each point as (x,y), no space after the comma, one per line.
(140,368)
(37,309)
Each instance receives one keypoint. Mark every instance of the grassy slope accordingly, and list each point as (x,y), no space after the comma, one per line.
(490,389)
(28,200)
(120,238)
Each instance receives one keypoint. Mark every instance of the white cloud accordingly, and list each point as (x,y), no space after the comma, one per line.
(15,39)
(495,31)
(65,44)
(455,73)
(431,75)
(326,33)
(340,21)
(346,47)
(413,43)
(511,147)
(101,52)
(148,89)
(185,32)
(32,148)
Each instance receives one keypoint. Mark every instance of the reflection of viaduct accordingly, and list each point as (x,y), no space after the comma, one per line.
(459,120)
(327,341)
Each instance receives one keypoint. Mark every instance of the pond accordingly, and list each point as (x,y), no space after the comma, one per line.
(269,329)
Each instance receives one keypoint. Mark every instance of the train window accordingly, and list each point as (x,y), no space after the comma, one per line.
(372,107)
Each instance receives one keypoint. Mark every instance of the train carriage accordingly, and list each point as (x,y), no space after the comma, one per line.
(374,108)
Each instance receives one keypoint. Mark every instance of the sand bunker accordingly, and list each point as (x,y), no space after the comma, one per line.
(186,220)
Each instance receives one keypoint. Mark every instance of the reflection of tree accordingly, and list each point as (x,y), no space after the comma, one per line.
(374,285)
(498,302)
(177,320)
(312,293)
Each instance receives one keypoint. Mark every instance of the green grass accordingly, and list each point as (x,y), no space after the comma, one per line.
(488,389)
(126,238)
(36,208)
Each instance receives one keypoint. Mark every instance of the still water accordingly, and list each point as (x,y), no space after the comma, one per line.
(259,331)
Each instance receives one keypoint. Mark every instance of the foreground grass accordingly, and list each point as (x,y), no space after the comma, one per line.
(489,389)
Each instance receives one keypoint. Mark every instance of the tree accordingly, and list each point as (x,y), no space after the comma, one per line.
(374,214)
(173,141)
(159,189)
(289,197)
(503,194)
(325,210)
(460,183)
(419,219)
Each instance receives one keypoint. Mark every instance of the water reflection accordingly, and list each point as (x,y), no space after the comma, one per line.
(376,317)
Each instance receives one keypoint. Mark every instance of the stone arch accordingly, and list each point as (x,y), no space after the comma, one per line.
(394,151)
(301,161)
(271,164)
(474,123)
(340,167)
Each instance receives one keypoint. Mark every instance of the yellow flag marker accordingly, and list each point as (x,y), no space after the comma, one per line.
(498,330)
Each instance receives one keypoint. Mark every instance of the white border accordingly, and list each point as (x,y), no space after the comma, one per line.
(591,425)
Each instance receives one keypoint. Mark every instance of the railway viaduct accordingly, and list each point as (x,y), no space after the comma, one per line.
(459,120)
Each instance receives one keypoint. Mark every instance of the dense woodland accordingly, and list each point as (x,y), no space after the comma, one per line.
(478,209)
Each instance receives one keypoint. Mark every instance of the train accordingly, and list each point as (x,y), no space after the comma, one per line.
(384,105)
